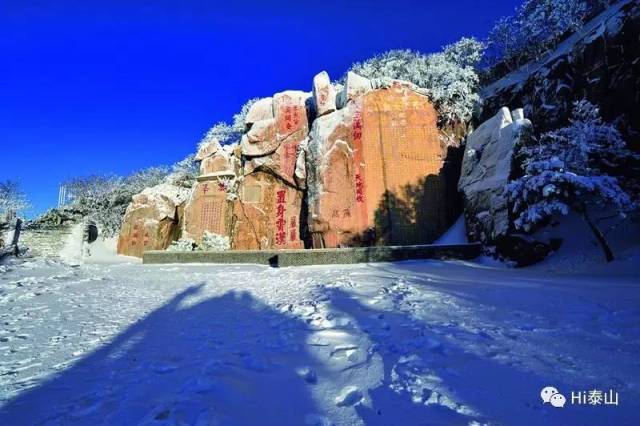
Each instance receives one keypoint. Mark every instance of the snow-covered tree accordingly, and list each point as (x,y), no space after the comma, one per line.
(184,173)
(228,134)
(536,26)
(104,198)
(12,199)
(448,78)
(571,169)
(466,52)
(238,119)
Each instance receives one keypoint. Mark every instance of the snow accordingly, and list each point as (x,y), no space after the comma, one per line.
(456,234)
(606,20)
(418,342)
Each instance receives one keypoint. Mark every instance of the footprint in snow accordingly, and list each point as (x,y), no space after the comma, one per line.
(348,396)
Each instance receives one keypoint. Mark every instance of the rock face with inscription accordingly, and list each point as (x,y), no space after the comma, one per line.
(210,206)
(152,220)
(486,169)
(374,169)
(368,170)
(266,214)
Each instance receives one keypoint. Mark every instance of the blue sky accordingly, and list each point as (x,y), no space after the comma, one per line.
(110,87)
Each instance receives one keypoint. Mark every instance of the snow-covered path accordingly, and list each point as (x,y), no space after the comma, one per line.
(391,344)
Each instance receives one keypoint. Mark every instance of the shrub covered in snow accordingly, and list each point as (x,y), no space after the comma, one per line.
(536,26)
(215,242)
(183,244)
(12,199)
(448,78)
(228,134)
(571,169)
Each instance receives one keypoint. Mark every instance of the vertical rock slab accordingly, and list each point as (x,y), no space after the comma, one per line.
(266,214)
(374,171)
(152,220)
(210,206)
(324,96)
(486,169)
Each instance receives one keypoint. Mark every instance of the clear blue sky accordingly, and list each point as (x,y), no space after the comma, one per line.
(109,87)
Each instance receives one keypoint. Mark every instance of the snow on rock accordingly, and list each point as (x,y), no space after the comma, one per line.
(261,110)
(207,149)
(354,87)
(260,139)
(324,95)
(486,169)
(151,220)
(597,62)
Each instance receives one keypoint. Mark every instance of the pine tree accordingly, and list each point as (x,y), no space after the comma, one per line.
(570,169)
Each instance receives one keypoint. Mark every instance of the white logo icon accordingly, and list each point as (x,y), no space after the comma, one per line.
(551,395)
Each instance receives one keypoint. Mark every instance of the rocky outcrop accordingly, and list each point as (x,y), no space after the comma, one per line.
(152,220)
(369,169)
(601,63)
(211,202)
(374,169)
(486,169)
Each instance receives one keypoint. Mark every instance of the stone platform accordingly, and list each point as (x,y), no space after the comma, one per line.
(303,257)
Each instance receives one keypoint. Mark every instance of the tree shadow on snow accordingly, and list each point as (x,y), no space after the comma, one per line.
(183,364)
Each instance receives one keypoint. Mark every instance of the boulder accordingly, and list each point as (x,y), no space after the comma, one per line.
(373,170)
(207,149)
(354,87)
(277,153)
(324,95)
(266,214)
(260,110)
(221,163)
(261,139)
(152,220)
(486,169)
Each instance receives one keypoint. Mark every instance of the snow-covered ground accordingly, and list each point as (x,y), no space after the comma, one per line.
(409,343)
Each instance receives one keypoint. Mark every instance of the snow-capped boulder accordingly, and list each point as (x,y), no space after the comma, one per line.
(261,139)
(374,170)
(261,110)
(207,149)
(354,86)
(486,170)
(152,220)
(324,95)
(222,162)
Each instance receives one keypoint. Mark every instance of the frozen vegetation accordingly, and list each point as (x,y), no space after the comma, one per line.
(115,342)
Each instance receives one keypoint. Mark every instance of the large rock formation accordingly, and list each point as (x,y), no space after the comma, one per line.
(486,169)
(374,169)
(369,172)
(152,220)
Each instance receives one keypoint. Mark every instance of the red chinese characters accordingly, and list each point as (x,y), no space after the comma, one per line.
(293,231)
(359,189)
(291,117)
(357,125)
(281,234)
